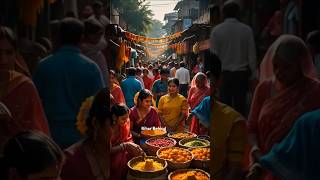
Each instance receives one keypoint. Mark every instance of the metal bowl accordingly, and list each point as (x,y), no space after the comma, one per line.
(186,140)
(145,174)
(176,165)
(186,170)
(152,150)
(198,163)
(191,135)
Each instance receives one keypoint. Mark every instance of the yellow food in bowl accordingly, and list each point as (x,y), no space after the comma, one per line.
(196,175)
(181,135)
(149,165)
(201,153)
(177,155)
(155,132)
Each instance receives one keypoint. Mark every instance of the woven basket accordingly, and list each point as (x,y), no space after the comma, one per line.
(185,170)
(176,165)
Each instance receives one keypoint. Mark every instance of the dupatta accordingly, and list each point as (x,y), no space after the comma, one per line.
(278,113)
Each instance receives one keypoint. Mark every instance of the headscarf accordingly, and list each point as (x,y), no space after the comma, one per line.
(196,94)
(266,67)
(279,112)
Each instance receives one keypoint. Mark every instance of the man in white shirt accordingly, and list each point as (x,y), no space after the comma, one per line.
(233,42)
(183,75)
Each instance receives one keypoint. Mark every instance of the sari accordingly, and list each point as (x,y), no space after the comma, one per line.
(8,127)
(120,159)
(297,155)
(202,114)
(196,95)
(272,115)
(117,94)
(171,109)
(150,120)
(27,112)
(81,163)
(147,82)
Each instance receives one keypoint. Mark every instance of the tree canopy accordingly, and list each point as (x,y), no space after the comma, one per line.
(156,30)
(136,14)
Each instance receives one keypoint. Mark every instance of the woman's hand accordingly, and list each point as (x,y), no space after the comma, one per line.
(133,148)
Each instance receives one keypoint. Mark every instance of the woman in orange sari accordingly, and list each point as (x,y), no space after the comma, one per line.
(115,89)
(200,88)
(17,91)
(288,88)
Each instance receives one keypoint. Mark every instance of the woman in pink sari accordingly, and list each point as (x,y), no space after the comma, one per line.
(143,114)
(17,91)
(200,88)
(287,89)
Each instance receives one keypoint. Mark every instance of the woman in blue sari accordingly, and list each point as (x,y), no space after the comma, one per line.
(297,156)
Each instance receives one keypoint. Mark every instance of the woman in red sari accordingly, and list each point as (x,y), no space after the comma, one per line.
(287,89)
(143,114)
(146,80)
(115,89)
(17,91)
(122,146)
(200,88)
(89,158)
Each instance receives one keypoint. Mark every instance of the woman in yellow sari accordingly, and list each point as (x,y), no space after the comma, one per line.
(17,91)
(173,108)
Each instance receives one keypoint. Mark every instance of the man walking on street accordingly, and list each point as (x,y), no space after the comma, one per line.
(233,42)
(183,75)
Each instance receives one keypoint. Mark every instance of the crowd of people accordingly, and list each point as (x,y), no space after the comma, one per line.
(65,113)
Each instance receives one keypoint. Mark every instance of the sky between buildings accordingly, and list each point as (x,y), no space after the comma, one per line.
(161,7)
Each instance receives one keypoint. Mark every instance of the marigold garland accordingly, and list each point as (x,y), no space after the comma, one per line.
(84,114)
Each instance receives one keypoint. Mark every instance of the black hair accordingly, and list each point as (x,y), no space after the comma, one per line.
(97,4)
(118,110)
(145,69)
(143,94)
(131,71)
(99,111)
(174,80)
(182,64)
(313,40)
(29,152)
(111,30)
(71,31)
(138,70)
(164,71)
(92,26)
(230,9)
(8,34)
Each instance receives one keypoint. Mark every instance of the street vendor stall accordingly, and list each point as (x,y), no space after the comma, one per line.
(173,156)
